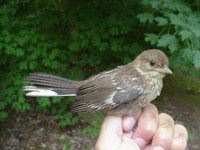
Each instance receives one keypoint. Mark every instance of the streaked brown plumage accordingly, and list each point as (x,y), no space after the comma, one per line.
(118,91)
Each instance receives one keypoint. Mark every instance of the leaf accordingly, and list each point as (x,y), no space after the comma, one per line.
(54,64)
(152,38)
(96,41)
(161,21)
(54,54)
(56,100)
(2,105)
(3,115)
(115,46)
(114,31)
(43,102)
(145,17)
(178,20)
(175,5)
(26,106)
(74,46)
(169,41)
(187,53)
(19,52)
(16,105)
(103,46)
(84,42)
(195,28)
(185,34)
(196,59)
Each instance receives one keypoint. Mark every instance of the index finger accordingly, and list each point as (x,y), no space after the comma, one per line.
(130,120)
(147,125)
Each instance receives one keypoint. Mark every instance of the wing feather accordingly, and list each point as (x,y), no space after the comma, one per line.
(107,91)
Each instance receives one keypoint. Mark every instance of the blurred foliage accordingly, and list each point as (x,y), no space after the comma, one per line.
(74,39)
(93,128)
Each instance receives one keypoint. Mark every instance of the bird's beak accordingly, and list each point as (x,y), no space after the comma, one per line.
(166,70)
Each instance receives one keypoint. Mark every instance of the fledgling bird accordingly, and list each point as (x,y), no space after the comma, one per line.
(118,91)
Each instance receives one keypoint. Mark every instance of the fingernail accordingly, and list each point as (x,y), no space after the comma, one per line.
(140,142)
(158,148)
(128,123)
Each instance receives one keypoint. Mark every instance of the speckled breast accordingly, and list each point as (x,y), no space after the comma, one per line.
(153,90)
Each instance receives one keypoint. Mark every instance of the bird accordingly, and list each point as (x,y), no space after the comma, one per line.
(119,91)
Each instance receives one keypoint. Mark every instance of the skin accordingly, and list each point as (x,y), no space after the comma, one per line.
(154,132)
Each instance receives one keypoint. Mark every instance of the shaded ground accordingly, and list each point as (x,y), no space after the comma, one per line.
(30,130)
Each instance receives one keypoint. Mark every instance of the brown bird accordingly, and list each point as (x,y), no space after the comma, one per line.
(118,91)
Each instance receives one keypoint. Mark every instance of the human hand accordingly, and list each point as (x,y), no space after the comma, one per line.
(155,132)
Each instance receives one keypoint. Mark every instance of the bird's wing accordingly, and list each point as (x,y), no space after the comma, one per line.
(106,91)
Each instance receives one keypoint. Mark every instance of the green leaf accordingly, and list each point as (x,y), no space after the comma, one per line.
(195,28)
(187,53)
(177,20)
(103,47)
(74,46)
(19,52)
(3,115)
(145,17)
(43,102)
(161,21)
(56,100)
(17,106)
(2,105)
(26,106)
(152,38)
(169,41)
(185,34)
(115,46)
(54,54)
(114,31)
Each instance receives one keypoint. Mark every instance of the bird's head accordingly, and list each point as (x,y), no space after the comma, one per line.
(153,63)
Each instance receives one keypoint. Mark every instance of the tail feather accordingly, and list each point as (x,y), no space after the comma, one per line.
(46,85)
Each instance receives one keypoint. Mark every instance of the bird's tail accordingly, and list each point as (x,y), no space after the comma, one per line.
(45,85)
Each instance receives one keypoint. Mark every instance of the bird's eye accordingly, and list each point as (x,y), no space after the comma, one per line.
(152,63)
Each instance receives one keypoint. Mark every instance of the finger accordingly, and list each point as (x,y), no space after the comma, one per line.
(111,131)
(147,147)
(128,144)
(129,121)
(164,134)
(147,125)
(128,134)
(180,138)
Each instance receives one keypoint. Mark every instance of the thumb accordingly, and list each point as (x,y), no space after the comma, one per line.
(111,131)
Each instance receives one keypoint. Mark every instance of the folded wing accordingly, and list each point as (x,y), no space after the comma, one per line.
(106,91)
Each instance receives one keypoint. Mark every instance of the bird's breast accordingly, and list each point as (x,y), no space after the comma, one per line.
(152,90)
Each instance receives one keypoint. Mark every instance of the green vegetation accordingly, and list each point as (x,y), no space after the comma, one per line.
(92,129)
(75,39)
(67,144)
(186,87)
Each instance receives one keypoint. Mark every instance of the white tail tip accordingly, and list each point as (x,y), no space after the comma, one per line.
(39,92)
